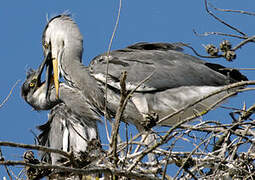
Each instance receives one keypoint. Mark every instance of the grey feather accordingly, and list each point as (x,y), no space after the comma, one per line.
(178,80)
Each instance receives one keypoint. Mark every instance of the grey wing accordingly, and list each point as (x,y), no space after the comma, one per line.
(171,68)
(52,134)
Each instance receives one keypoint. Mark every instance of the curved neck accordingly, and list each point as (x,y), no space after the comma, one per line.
(77,76)
(75,73)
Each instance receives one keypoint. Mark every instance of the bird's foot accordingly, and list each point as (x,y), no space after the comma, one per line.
(149,120)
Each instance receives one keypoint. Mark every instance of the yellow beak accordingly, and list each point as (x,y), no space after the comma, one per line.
(55,75)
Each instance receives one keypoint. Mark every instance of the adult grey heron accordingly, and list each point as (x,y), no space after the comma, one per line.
(178,79)
(65,129)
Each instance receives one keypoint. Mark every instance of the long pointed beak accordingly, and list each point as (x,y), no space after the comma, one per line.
(40,69)
(48,77)
(56,75)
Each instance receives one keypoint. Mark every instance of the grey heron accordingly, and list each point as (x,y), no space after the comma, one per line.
(65,129)
(178,79)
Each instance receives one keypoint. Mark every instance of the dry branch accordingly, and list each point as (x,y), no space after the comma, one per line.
(10,93)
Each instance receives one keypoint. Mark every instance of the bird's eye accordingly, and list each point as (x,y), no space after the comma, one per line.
(31,84)
(46,45)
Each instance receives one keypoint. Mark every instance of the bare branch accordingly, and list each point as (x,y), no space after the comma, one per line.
(199,55)
(246,114)
(107,69)
(6,99)
(221,21)
(118,115)
(218,34)
(250,39)
(233,11)
(6,168)
(87,171)
(35,147)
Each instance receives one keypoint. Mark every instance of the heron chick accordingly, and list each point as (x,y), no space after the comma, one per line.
(65,130)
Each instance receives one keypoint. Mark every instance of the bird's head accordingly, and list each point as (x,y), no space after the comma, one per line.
(33,90)
(31,84)
(62,41)
(35,93)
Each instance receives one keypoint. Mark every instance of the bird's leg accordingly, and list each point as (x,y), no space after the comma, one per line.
(149,118)
(149,139)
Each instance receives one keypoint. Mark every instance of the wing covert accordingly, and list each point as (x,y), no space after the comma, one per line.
(171,68)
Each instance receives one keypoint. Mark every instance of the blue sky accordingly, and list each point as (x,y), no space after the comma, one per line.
(22,24)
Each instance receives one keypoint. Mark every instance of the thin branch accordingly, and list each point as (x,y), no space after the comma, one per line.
(121,107)
(6,168)
(166,164)
(245,69)
(199,55)
(218,34)
(221,21)
(151,148)
(35,147)
(124,103)
(6,99)
(231,10)
(107,69)
(246,114)
(87,171)
(115,28)
(250,39)
(166,136)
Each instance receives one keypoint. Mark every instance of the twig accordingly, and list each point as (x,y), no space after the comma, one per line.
(36,147)
(221,21)
(6,99)
(231,10)
(166,136)
(199,55)
(166,163)
(124,103)
(218,34)
(87,171)
(151,148)
(246,114)
(118,115)
(115,28)
(127,150)
(6,168)
(215,129)
(245,69)
(107,70)
(141,143)
(250,39)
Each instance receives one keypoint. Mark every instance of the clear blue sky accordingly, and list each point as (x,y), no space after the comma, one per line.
(22,24)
